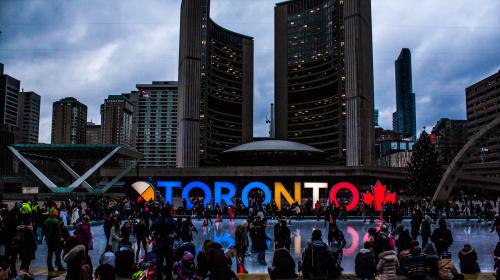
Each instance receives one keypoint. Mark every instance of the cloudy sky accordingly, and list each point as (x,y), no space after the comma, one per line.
(92,48)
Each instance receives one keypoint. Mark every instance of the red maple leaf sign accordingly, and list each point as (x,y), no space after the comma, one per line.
(379,196)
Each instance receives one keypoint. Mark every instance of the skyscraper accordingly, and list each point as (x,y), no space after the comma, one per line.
(324,77)
(156,121)
(404,119)
(69,120)
(29,117)
(483,106)
(93,132)
(215,87)
(9,100)
(116,120)
(451,136)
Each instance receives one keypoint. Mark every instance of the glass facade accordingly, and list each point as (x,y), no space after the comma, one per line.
(315,76)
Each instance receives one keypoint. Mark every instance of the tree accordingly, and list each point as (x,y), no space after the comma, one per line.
(424,169)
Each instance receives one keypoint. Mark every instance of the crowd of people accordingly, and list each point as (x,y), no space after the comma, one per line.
(163,236)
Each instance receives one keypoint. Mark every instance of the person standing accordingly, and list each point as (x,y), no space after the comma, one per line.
(163,230)
(241,244)
(442,237)
(114,237)
(337,242)
(108,224)
(54,239)
(141,231)
(24,244)
(260,240)
(83,234)
(425,230)
(282,235)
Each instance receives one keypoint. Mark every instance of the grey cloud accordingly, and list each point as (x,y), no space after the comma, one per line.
(90,49)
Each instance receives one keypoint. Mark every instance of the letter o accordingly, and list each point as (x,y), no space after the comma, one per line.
(348,186)
(256,185)
(196,185)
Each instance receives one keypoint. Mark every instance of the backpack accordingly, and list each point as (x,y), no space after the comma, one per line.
(364,265)
(319,262)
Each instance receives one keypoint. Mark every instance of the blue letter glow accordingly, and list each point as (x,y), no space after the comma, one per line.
(196,185)
(168,186)
(218,196)
(256,185)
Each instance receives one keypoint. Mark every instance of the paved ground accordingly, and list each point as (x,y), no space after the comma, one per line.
(476,234)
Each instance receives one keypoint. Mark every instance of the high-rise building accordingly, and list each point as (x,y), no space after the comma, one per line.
(450,137)
(9,100)
(324,77)
(483,106)
(93,133)
(215,87)
(404,119)
(156,120)
(375,118)
(116,120)
(29,117)
(69,121)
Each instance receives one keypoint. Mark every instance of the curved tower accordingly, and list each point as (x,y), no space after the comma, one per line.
(215,87)
(324,77)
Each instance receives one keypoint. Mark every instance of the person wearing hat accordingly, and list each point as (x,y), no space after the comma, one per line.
(185,268)
(53,237)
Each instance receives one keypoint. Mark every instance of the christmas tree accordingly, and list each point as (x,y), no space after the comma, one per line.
(424,169)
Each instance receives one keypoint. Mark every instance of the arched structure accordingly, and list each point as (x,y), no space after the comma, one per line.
(453,173)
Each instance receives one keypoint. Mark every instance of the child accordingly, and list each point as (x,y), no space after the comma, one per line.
(185,268)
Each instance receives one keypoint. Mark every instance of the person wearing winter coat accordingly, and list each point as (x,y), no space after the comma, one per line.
(75,215)
(75,256)
(283,266)
(316,259)
(425,230)
(431,261)
(185,268)
(260,240)
(442,237)
(282,238)
(447,269)
(416,264)
(63,214)
(364,263)
(337,242)
(387,265)
(468,260)
(108,257)
(24,244)
(114,237)
(241,245)
(83,234)
(53,237)
(217,264)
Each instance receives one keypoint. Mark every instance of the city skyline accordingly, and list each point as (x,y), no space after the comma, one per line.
(89,63)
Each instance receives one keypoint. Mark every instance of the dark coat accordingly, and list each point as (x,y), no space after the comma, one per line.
(83,234)
(28,246)
(365,265)
(283,265)
(260,237)
(317,260)
(468,261)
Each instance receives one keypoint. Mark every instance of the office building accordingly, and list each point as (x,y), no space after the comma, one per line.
(93,133)
(404,119)
(324,77)
(375,118)
(450,136)
(116,120)
(483,106)
(29,117)
(392,148)
(156,120)
(9,100)
(69,121)
(215,87)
